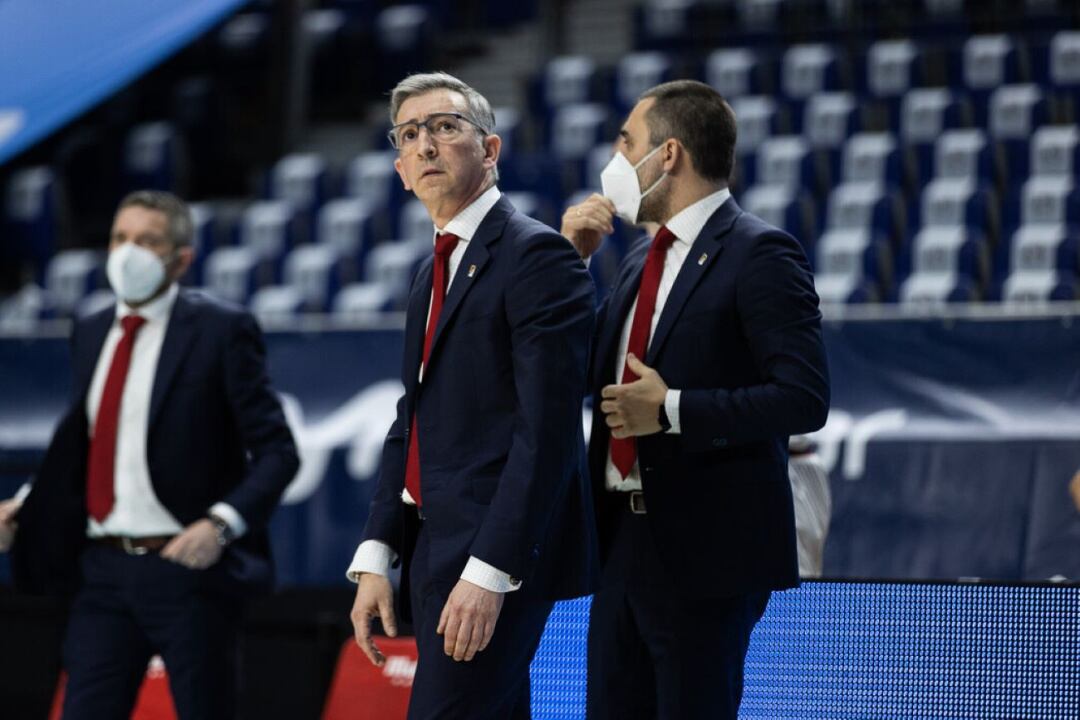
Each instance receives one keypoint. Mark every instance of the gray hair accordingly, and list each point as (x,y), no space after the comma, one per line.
(479,109)
(181,228)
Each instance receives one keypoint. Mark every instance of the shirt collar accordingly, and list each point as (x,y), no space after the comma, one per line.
(466,222)
(154,311)
(688,222)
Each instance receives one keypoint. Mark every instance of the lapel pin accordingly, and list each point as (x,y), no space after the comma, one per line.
(701,260)
(472,270)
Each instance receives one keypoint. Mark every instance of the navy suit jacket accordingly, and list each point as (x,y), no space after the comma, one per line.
(502,456)
(216,432)
(740,336)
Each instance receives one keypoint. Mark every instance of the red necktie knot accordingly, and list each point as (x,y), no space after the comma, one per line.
(444,245)
(132,323)
(663,240)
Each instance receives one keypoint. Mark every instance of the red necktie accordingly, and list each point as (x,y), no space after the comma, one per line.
(444,245)
(624,450)
(100,466)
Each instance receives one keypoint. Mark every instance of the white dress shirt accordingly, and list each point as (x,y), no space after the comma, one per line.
(137,512)
(375,556)
(686,225)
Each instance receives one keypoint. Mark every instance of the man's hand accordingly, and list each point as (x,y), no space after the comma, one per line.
(634,408)
(586,223)
(196,547)
(8,510)
(468,620)
(1074,488)
(374,599)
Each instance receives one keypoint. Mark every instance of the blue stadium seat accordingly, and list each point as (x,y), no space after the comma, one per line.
(666,23)
(949,264)
(371,177)
(828,120)
(268,228)
(312,270)
(785,160)
(757,117)
(1050,201)
(405,38)
(1064,69)
(508,127)
(566,80)
(231,273)
(363,301)
(806,70)
(154,158)
(276,304)
(636,73)
(964,155)
(32,216)
(1034,287)
(577,128)
(1045,247)
(1016,111)
(956,203)
(861,205)
(394,264)
(21,311)
(415,223)
(204,239)
(892,68)
(347,226)
(302,179)
(872,158)
(1055,151)
(990,61)
(924,115)
(786,207)
(852,265)
(535,206)
(734,73)
(71,276)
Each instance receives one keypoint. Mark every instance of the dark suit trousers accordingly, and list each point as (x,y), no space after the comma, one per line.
(494,685)
(654,653)
(131,607)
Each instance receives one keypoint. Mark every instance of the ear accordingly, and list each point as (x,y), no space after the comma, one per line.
(492,148)
(184,257)
(674,155)
(401,174)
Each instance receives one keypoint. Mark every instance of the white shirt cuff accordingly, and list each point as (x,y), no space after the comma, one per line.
(232,518)
(671,407)
(21,493)
(373,556)
(490,578)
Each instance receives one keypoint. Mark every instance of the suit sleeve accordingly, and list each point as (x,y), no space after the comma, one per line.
(550,309)
(384,516)
(778,312)
(261,422)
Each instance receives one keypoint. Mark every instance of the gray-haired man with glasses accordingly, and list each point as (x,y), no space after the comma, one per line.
(482,493)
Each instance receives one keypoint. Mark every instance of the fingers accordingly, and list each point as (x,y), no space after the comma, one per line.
(613,392)
(614,420)
(373,599)
(462,641)
(640,369)
(386,614)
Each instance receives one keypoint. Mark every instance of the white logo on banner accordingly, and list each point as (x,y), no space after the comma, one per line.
(400,669)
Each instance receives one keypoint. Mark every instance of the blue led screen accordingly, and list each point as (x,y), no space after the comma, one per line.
(842,651)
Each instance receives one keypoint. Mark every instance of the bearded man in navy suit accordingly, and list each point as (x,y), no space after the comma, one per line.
(151,505)
(708,356)
(482,494)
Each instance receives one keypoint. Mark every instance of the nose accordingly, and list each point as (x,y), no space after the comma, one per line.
(425,145)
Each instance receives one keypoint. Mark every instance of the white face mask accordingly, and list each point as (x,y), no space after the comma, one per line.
(134,272)
(620,184)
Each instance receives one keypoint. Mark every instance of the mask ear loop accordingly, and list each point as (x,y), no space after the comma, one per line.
(642,162)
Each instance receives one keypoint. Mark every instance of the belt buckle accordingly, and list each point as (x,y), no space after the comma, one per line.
(125,543)
(637,502)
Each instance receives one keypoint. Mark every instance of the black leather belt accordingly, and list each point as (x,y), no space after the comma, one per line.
(635,500)
(135,546)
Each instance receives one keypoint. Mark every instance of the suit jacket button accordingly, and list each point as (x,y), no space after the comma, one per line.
(719,442)
(536,551)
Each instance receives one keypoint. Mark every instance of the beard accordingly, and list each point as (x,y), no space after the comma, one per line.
(654,206)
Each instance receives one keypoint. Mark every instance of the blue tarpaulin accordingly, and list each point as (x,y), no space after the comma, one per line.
(58,58)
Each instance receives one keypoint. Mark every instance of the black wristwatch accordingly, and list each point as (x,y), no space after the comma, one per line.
(665,424)
(224,532)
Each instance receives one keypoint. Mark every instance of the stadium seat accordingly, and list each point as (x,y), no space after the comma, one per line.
(785,160)
(577,129)
(300,178)
(1045,247)
(862,205)
(71,276)
(371,177)
(154,159)
(1064,70)
(508,126)
(809,69)
(404,35)
(892,68)
(276,304)
(786,207)
(32,211)
(964,155)
(871,158)
(312,271)
(363,301)
(231,274)
(990,61)
(21,311)
(567,80)
(853,265)
(394,264)
(267,227)
(1055,152)
(636,73)
(955,203)
(1050,201)
(415,223)
(829,119)
(1027,287)
(346,225)
(734,73)
(953,251)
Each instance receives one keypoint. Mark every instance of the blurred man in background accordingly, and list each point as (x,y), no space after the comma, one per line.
(152,502)
(708,355)
(482,493)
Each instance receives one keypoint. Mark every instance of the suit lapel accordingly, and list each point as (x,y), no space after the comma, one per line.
(180,336)
(98,327)
(416,322)
(702,255)
(471,267)
(622,298)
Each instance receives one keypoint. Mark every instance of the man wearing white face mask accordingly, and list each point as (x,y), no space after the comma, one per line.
(708,354)
(151,505)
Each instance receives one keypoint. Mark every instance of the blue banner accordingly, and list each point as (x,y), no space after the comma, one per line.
(950,443)
(60,57)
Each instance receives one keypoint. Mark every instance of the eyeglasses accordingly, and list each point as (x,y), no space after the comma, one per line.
(442,127)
